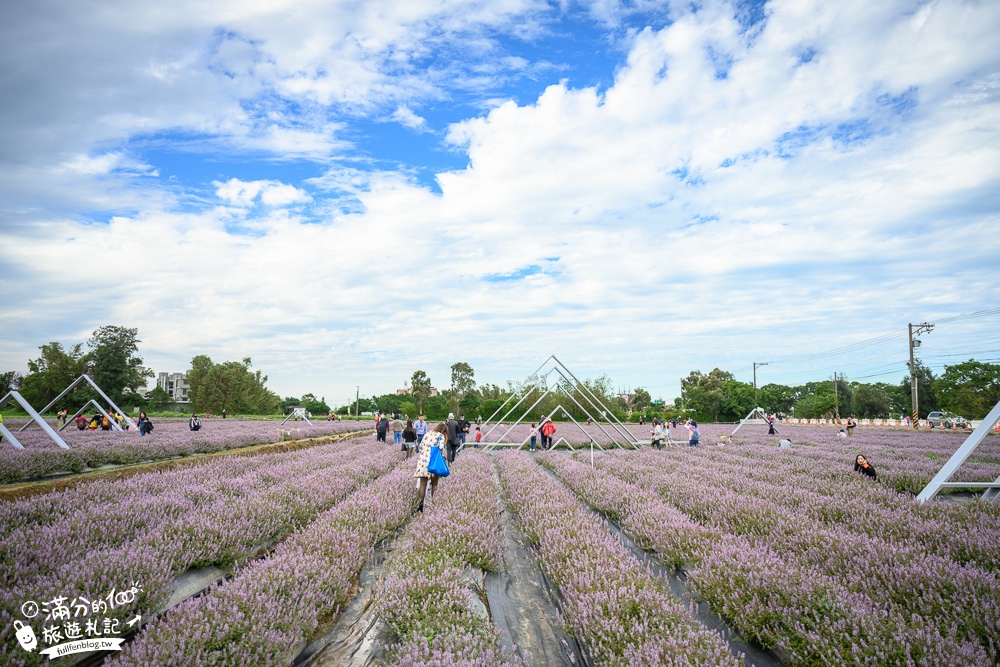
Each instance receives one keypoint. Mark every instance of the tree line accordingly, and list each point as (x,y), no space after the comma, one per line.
(970,389)
(112,360)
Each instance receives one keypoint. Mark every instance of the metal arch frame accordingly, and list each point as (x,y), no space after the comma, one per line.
(34,416)
(750,414)
(961,455)
(571,387)
(561,439)
(97,405)
(297,412)
(70,388)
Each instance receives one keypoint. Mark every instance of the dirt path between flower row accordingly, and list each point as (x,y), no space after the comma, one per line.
(116,473)
(519,601)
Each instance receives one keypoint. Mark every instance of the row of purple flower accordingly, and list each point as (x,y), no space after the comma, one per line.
(170,438)
(773,545)
(153,526)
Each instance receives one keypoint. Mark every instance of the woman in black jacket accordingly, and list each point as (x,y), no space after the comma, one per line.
(381,428)
(862,466)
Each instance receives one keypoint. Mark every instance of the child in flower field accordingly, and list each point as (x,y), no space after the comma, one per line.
(862,466)
(435,438)
(479,436)
(534,438)
(409,437)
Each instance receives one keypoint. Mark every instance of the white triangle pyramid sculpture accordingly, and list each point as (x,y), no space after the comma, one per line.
(951,466)
(570,387)
(753,416)
(71,387)
(13,395)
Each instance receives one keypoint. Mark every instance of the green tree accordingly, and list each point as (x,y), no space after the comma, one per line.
(420,389)
(970,388)
(872,401)
(737,400)
(10,381)
(315,406)
(703,394)
(52,372)
(926,397)
(816,405)
(776,398)
(158,400)
(462,382)
(641,400)
(116,365)
(470,405)
(229,386)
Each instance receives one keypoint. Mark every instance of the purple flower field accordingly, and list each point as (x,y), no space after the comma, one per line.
(619,612)
(795,550)
(424,595)
(170,438)
(907,460)
(804,555)
(153,526)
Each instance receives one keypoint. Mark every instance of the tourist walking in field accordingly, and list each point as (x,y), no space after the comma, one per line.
(862,466)
(145,426)
(421,428)
(850,425)
(463,429)
(397,431)
(193,423)
(381,428)
(658,434)
(534,438)
(435,438)
(409,437)
(451,431)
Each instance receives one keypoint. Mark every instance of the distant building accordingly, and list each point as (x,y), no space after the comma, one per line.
(176,385)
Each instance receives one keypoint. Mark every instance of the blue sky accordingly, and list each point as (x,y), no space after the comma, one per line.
(347,192)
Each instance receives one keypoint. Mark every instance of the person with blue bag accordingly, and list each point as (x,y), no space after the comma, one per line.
(430,462)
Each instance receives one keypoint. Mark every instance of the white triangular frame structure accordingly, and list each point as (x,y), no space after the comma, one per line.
(951,466)
(537,381)
(297,412)
(70,388)
(97,405)
(34,416)
(754,415)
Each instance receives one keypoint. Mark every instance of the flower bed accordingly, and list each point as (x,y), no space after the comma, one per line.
(875,582)
(170,438)
(266,613)
(424,596)
(617,610)
(153,526)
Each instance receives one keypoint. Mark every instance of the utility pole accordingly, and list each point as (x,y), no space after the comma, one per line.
(836,399)
(913,370)
(357,402)
(755,365)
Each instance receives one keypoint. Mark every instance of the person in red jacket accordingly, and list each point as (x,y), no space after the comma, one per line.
(548,430)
